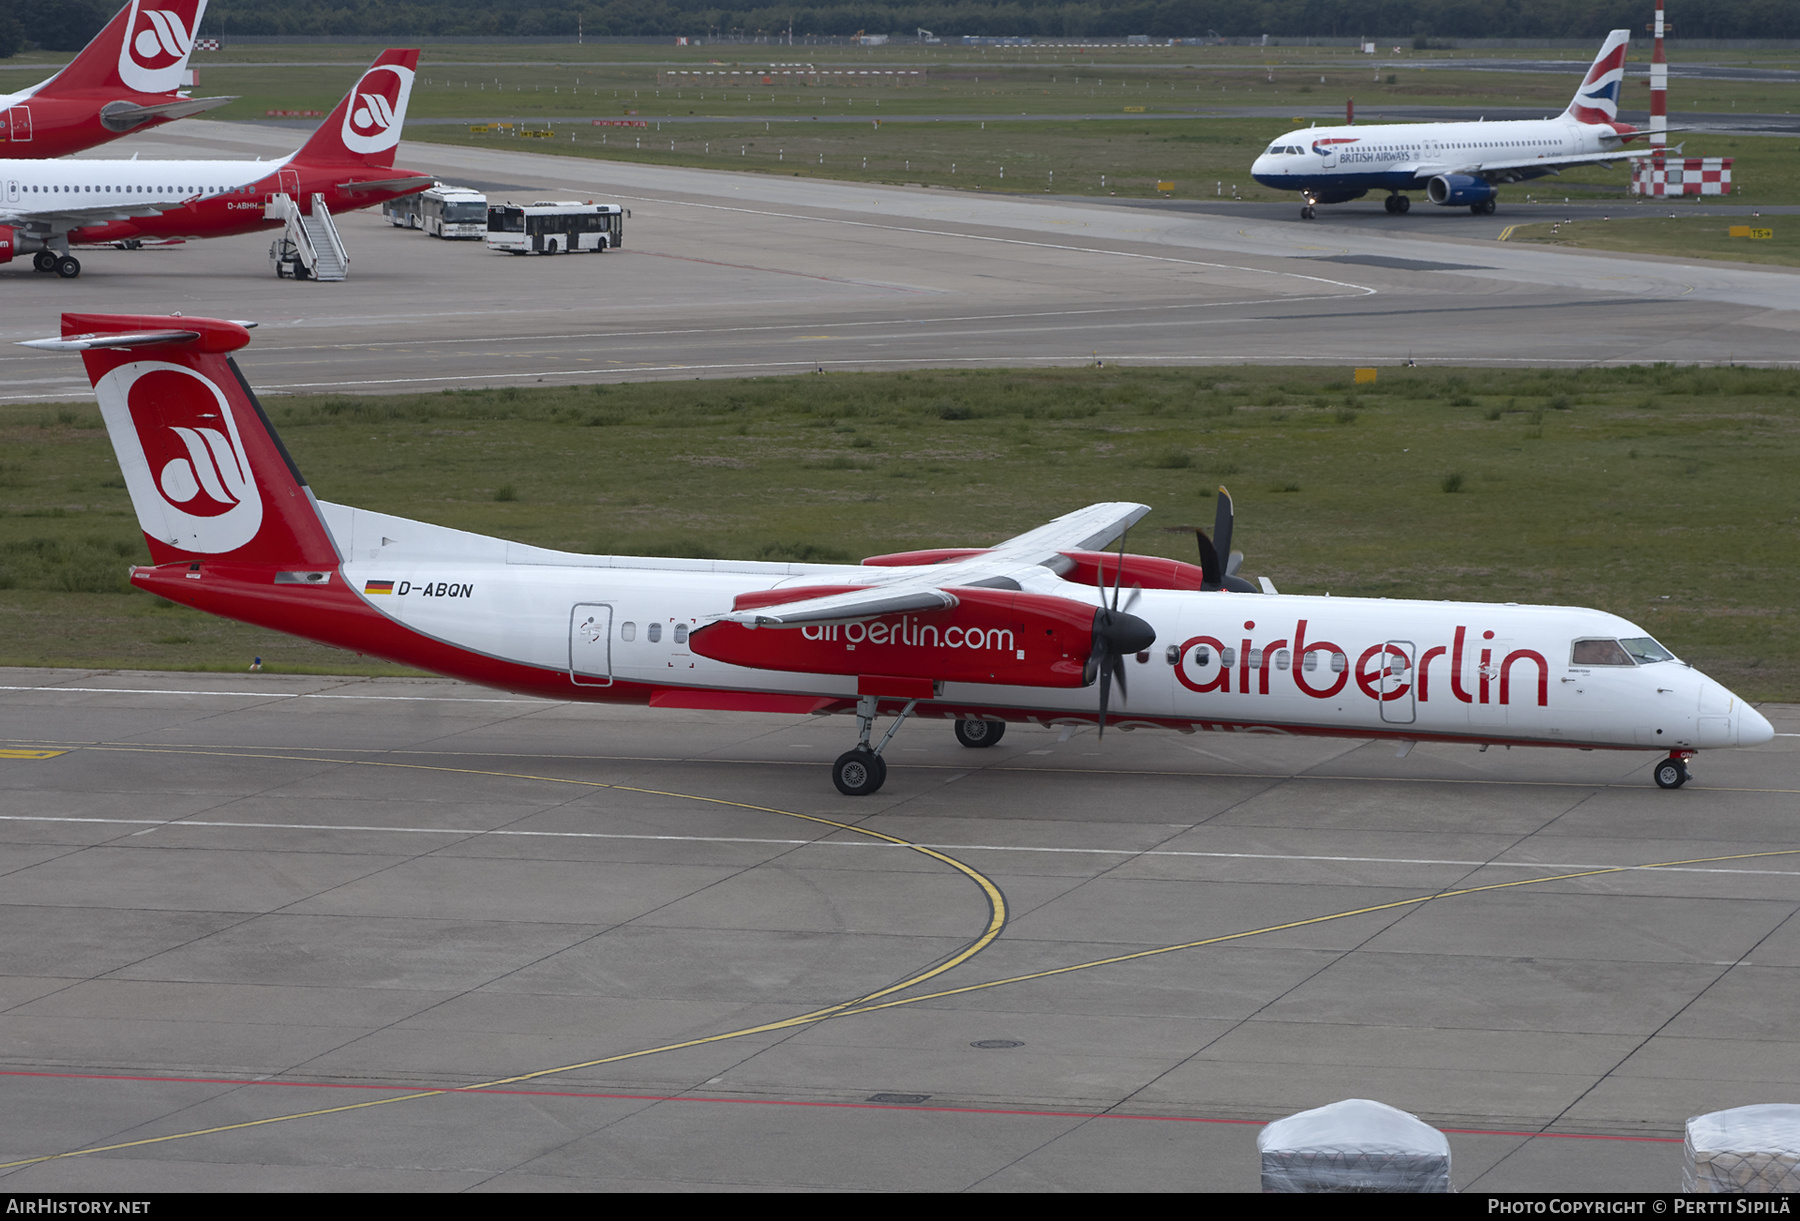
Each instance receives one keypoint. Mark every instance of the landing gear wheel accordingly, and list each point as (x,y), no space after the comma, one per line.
(68,267)
(1306,213)
(980,733)
(1671,774)
(1402,204)
(44,260)
(859,772)
(1486,207)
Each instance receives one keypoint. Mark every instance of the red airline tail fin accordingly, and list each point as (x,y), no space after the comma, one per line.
(144,48)
(365,127)
(208,477)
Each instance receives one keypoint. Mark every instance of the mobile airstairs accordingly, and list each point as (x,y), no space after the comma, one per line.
(309,248)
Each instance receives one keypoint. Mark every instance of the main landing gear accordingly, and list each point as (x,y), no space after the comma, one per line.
(862,771)
(1486,207)
(1672,773)
(1397,204)
(65,265)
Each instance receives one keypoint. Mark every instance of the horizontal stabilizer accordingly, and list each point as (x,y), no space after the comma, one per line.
(123,116)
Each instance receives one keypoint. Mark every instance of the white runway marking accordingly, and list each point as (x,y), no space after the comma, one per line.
(473,833)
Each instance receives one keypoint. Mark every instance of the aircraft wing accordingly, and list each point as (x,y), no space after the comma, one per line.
(1089,529)
(908,589)
(61,220)
(1533,167)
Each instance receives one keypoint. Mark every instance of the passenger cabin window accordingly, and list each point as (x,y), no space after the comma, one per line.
(681,633)
(628,630)
(654,631)
(1598,653)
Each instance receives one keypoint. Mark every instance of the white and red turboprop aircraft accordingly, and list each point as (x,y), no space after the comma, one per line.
(125,80)
(981,636)
(349,161)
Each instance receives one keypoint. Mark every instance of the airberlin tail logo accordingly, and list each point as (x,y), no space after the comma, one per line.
(157,42)
(376,109)
(182,456)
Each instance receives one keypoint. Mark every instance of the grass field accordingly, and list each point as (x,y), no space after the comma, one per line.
(984,108)
(1693,237)
(1663,494)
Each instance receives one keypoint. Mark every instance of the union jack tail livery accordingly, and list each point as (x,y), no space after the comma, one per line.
(365,127)
(1597,101)
(207,475)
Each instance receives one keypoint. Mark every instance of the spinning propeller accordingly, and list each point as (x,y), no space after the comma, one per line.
(1117,633)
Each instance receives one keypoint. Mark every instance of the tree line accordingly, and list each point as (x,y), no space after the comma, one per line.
(66,25)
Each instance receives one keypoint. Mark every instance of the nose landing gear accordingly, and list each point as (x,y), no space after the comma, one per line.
(1672,773)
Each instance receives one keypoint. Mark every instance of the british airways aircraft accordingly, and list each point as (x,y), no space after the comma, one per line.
(1455,164)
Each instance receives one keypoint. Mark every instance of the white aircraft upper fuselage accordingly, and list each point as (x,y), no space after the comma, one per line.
(1336,163)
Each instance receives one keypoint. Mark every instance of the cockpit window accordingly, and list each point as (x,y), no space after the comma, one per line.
(1599,653)
(1646,650)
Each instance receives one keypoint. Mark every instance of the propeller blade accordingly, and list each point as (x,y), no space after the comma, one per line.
(1212,575)
(1116,634)
(1105,693)
(1222,523)
(1234,563)
(1119,573)
(1137,591)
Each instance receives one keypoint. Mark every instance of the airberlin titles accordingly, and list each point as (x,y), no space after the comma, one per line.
(1384,672)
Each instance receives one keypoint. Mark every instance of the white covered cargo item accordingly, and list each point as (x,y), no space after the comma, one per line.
(1354,1145)
(1746,1149)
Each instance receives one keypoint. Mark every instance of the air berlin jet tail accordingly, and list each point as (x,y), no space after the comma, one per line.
(145,48)
(365,127)
(208,477)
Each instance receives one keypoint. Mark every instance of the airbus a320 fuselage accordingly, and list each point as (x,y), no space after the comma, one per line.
(1455,164)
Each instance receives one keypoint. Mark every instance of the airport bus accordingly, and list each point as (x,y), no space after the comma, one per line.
(555,227)
(404,212)
(453,212)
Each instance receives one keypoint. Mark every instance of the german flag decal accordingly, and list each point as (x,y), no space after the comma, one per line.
(379,587)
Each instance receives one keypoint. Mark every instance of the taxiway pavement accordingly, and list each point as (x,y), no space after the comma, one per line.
(727,274)
(269,932)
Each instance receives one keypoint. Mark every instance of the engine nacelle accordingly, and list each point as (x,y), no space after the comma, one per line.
(9,243)
(990,636)
(1459,190)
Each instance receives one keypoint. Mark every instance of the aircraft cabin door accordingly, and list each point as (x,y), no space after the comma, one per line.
(290,185)
(18,124)
(1399,704)
(590,644)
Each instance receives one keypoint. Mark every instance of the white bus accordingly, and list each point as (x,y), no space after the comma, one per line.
(403,212)
(453,212)
(555,227)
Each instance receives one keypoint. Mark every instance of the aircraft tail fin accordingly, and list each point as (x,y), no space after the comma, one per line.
(1597,100)
(208,477)
(365,127)
(145,47)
